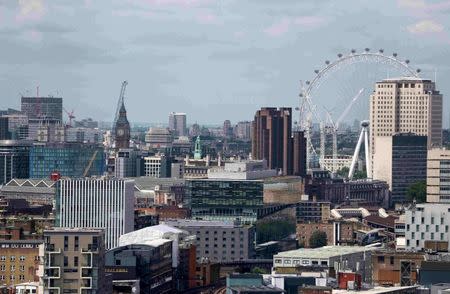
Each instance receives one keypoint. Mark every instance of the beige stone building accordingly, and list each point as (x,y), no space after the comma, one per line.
(19,260)
(405,105)
(438,176)
(73,261)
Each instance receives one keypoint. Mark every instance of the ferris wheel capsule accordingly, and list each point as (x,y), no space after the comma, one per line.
(367,49)
(353,51)
(407,61)
(394,54)
(418,70)
(297,108)
(381,51)
(340,55)
(316,71)
(327,62)
(308,82)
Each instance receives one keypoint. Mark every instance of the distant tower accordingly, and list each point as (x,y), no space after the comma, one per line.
(122,127)
(198,149)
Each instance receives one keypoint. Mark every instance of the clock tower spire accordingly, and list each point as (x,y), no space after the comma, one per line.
(122,135)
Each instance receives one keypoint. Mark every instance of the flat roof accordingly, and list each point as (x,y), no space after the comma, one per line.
(322,252)
(199,223)
(409,79)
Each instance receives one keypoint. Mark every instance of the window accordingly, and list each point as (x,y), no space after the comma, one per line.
(391,260)
(76,244)
(2,267)
(277,260)
(13,258)
(2,277)
(66,243)
(13,267)
(118,262)
(3,258)
(21,268)
(413,235)
(22,258)
(22,277)
(417,243)
(422,220)
(66,261)
(432,236)
(380,259)
(75,261)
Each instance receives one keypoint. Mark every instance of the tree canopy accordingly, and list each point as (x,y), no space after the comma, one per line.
(417,191)
(318,239)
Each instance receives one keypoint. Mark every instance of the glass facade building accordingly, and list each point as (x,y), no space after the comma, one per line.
(14,160)
(224,200)
(409,163)
(70,160)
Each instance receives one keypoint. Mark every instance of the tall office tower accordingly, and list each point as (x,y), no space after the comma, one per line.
(97,204)
(243,130)
(271,138)
(227,129)
(17,125)
(73,262)
(406,105)
(177,123)
(43,108)
(14,160)
(123,132)
(400,160)
(438,176)
(4,129)
(126,163)
(299,153)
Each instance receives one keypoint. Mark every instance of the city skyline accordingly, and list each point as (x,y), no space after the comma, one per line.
(244,55)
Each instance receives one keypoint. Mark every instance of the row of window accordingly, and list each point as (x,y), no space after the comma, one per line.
(12,278)
(13,258)
(12,268)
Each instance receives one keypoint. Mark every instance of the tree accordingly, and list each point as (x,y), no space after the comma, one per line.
(258,270)
(417,191)
(318,239)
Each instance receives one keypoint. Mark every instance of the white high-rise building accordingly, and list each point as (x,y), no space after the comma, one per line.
(96,204)
(438,176)
(177,123)
(406,105)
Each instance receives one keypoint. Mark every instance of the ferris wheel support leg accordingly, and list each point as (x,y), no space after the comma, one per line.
(367,152)
(355,155)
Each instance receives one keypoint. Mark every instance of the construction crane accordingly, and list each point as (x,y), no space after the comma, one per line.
(119,104)
(335,125)
(91,161)
(70,115)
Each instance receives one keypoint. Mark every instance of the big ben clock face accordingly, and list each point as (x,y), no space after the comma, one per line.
(120,132)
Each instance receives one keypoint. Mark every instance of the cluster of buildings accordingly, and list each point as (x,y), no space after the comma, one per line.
(181,209)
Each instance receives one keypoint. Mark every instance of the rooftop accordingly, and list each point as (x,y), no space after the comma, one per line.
(256,289)
(56,230)
(322,252)
(199,223)
(409,79)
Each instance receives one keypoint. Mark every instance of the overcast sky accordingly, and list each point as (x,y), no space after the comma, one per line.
(214,60)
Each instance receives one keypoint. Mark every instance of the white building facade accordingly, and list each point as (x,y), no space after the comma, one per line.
(438,176)
(427,223)
(96,204)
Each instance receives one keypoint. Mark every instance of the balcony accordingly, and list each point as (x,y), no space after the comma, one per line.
(52,273)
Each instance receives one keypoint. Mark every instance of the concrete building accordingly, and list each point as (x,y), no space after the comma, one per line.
(219,241)
(14,160)
(242,170)
(84,135)
(331,259)
(427,227)
(312,211)
(48,108)
(19,261)
(73,262)
(17,125)
(401,161)
(224,200)
(243,130)
(405,105)
(4,129)
(157,166)
(98,204)
(126,163)
(159,138)
(438,176)
(177,123)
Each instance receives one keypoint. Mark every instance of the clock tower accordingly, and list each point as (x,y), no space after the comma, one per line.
(122,135)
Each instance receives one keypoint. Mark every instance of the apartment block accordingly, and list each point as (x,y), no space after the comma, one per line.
(438,176)
(73,262)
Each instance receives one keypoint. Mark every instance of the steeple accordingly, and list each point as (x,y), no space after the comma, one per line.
(198,149)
